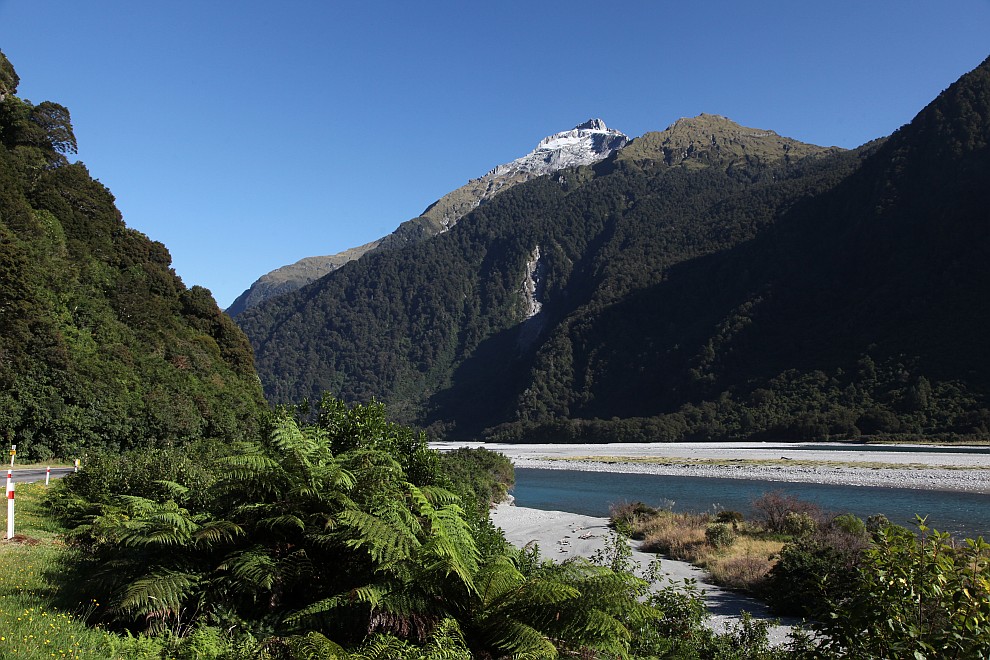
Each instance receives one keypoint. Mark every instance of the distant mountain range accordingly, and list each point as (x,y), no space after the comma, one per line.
(709,281)
(583,145)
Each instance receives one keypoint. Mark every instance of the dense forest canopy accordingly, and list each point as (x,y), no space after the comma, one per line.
(102,345)
(706,282)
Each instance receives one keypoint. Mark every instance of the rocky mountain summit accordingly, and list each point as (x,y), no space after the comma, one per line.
(585,144)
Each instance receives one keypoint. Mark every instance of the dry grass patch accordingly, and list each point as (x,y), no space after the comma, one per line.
(746,564)
(677,535)
(740,559)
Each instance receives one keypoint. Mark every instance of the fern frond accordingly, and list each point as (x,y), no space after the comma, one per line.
(315,646)
(217,531)
(386,647)
(438,496)
(252,568)
(156,592)
(370,595)
(513,637)
(135,505)
(252,457)
(384,542)
(174,489)
(283,521)
(496,578)
(161,524)
(323,540)
(447,642)
(298,567)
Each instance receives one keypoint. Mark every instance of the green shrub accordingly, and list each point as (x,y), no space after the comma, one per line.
(849,524)
(915,595)
(798,524)
(804,578)
(876,522)
(480,477)
(719,535)
(627,516)
(772,509)
(731,517)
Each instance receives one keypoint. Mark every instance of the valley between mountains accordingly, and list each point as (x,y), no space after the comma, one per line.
(707,282)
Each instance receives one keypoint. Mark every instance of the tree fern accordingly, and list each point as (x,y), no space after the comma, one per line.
(342,531)
(385,542)
(157,596)
(251,570)
(215,532)
(513,637)
(314,646)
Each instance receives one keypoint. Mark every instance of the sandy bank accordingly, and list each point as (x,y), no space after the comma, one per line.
(562,535)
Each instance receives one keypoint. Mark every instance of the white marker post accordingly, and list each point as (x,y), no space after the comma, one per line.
(77,466)
(10,505)
(13,452)
(48,475)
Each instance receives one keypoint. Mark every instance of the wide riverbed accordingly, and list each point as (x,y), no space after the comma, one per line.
(949,484)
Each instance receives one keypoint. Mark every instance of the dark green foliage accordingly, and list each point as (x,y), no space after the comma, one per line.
(8,77)
(481,478)
(804,577)
(817,566)
(682,631)
(914,595)
(819,298)
(103,347)
(312,550)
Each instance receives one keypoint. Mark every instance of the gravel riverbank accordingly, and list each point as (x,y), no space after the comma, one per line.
(892,466)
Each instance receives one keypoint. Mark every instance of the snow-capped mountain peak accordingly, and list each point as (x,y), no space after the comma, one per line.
(585,144)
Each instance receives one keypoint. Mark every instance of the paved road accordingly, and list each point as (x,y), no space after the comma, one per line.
(29,475)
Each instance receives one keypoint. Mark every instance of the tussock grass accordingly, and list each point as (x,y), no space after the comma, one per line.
(742,564)
(677,535)
(745,564)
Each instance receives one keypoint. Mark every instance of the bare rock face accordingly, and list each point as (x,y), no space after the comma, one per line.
(586,144)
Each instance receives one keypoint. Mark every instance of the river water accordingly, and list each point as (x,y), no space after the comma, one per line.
(591,493)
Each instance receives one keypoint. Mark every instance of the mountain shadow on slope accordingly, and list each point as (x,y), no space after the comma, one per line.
(862,311)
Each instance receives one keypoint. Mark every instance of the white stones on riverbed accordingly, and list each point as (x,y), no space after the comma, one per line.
(902,466)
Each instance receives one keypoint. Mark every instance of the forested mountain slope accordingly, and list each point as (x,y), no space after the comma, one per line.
(583,145)
(101,344)
(707,282)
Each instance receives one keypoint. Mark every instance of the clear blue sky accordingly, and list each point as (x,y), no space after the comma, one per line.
(246,135)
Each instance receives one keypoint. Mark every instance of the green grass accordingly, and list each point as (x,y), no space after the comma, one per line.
(30,625)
